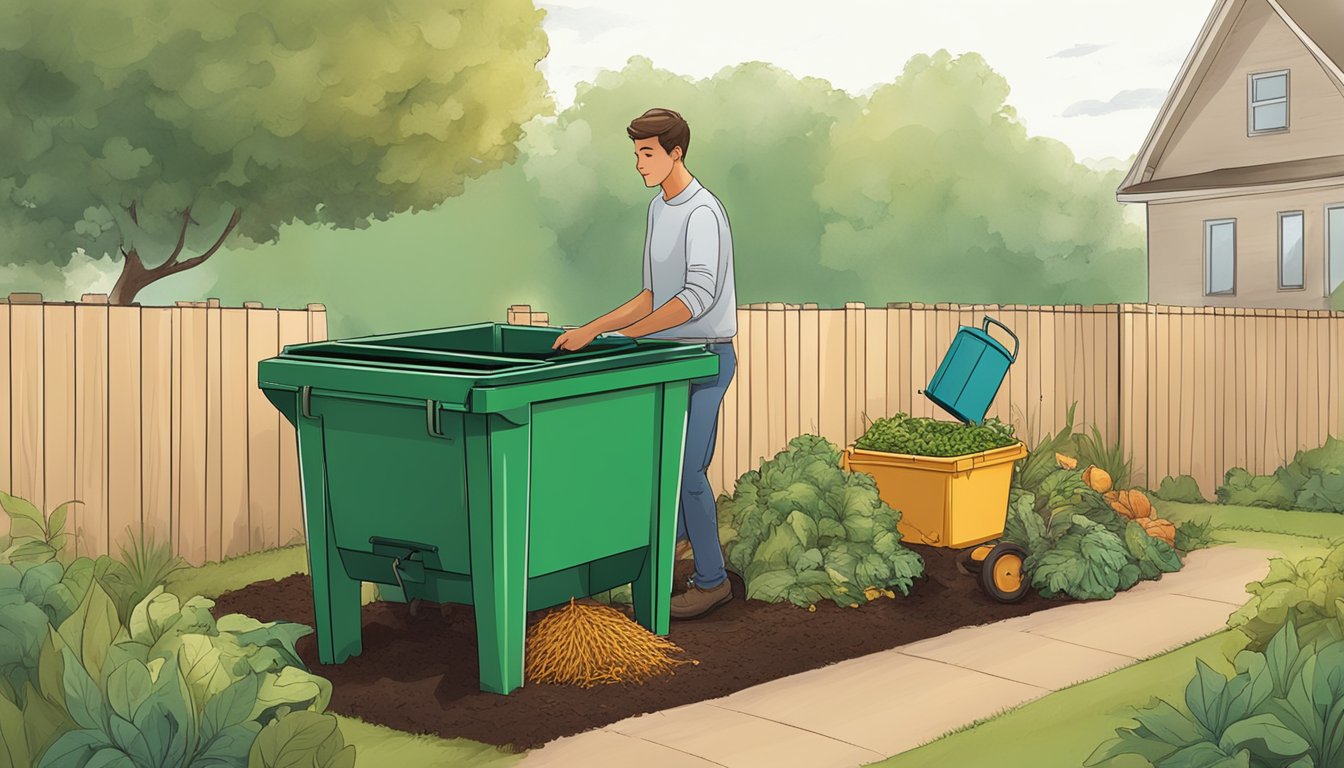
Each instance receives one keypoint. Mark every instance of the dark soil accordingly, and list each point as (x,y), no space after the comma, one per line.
(420,675)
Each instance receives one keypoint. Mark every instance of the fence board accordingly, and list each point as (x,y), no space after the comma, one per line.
(214,433)
(89,521)
(792,374)
(124,500)
(831,385)
(234,387)
(293,329)
(777,404)
(263,448)
(157,405)
(190,524)
(6,425)
(809,371)
(58,380)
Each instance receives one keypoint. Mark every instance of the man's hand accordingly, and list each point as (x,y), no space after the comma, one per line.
(575,339)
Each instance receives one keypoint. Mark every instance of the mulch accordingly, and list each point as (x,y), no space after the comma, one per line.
(419,674)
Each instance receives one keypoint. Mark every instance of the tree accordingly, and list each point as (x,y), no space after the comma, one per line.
(160,131)
(936,193)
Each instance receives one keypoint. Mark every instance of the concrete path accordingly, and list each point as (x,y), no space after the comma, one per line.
(840,716)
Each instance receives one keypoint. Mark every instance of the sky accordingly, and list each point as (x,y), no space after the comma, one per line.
(1092,74)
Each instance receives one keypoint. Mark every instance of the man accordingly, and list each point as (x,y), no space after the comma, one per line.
(688,295)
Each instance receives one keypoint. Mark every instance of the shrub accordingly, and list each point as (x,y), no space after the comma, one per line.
(1312,481)
(802,529)
(1181,489)
(1308,593)
(1282,707)
(1040,461)
(1095,451)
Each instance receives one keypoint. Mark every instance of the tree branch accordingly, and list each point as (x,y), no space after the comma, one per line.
(134,217)
(181,240)
(173,267)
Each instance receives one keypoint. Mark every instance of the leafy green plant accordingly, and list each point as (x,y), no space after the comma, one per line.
(34,537)
(1040,460)
(1077,544)
(301,740)
(1181,489)
(173,687)
(934,437)
(1095,451)
(1192,535)
(1308,593)
(802,529)
(1283,707)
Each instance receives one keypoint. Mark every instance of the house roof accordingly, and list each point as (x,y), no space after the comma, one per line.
(1245,177)
(1319,24)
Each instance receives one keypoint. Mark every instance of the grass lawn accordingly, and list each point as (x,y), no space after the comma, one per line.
(1063,728)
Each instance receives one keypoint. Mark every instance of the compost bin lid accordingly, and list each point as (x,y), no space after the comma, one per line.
(465,358)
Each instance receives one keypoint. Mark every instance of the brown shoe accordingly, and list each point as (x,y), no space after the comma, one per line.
(696,602)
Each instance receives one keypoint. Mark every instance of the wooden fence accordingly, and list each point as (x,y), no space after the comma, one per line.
(1188,390)
(152,418)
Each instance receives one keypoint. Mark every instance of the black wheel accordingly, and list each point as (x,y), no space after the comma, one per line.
(1002,576)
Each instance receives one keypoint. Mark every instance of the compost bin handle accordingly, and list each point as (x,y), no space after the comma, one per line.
(432,423)
(989,320)
(307,401)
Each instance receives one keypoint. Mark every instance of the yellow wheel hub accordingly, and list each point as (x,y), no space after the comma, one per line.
(1008,573)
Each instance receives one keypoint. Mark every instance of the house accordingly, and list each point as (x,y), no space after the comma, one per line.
(1243,171)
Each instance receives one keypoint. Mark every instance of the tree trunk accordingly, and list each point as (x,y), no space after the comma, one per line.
(135,277)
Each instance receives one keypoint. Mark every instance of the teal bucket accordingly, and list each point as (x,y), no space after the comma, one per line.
(971,373)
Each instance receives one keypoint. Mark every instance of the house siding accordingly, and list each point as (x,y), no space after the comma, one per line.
(1176,249)
(1212,134)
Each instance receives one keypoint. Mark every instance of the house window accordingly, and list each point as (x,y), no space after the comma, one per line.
(1290,249)
(1220,257)
(1334,247)
(1268,109)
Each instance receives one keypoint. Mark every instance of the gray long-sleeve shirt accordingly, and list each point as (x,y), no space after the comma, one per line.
(688,256)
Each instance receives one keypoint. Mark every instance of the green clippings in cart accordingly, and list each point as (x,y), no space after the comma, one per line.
(476,465)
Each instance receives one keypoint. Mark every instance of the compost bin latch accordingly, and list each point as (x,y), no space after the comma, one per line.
(414,603)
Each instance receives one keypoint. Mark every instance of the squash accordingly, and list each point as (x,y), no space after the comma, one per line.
(1159,529)
(1066,462)
(1097,479)
(1131,503)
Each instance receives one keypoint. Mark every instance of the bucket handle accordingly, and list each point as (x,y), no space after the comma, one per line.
(989,320)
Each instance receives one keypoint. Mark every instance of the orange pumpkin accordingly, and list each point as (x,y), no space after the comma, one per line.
(1097,479)
(1131,503)
(1159,529)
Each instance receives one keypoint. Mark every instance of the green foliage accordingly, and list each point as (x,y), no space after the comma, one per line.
(1192,535)
(1077,545)
(565,225)
(34,537)
(934,437)
(1093,450)
(1181,489)
(1309,594)
(1040,461)
(802,529)
(1281,709)
(301,740)
(172,687)
(148,563)
(336,115)
(1313,481)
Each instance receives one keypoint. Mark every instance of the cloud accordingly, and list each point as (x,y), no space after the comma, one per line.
(588,22)
(1081,49)
(1141,98)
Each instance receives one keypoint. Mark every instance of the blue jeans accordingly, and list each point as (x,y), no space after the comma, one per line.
(698,517)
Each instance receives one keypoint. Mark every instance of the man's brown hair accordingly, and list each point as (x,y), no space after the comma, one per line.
(668,126)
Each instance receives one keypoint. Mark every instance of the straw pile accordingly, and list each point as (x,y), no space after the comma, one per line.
(587,644)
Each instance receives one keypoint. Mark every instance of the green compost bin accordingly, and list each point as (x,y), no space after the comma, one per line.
(475,465)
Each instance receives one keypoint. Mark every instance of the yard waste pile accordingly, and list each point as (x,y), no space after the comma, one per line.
(804,530)
(919,436)
(1086,540)
(585,645)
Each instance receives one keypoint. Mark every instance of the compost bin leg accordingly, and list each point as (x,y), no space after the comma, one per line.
(336,604)
(498,464)
(652,590)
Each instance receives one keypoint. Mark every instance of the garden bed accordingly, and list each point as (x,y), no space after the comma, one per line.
(419,674)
